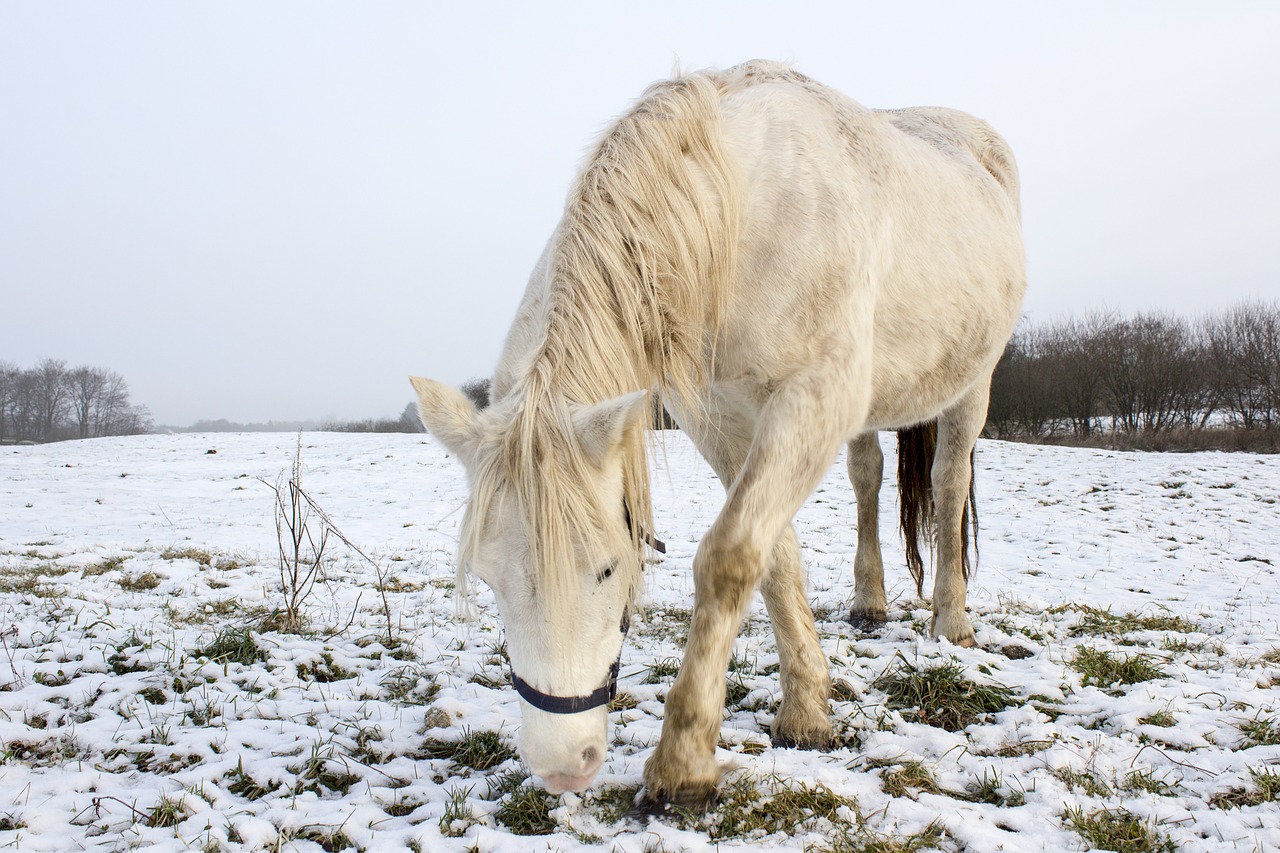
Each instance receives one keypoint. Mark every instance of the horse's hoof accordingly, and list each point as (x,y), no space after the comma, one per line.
(687,801)
(959,631)
(868,622)
(801,726)
(807,740)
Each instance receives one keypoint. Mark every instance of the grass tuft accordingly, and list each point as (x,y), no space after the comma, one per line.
(481,750)
(1098,621)
(1084,780)
(1145,780)
(457,817)
(167,812)
(1266,789)
(233,645)
(906,778)
(1105,669)
(242,784)
(527,811)
(866,841)
(200,556)
(1260,731)
(1117,830)
(139,583)
(748,809)
(941,696)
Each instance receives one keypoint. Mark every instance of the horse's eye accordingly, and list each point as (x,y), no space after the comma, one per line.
(607,572)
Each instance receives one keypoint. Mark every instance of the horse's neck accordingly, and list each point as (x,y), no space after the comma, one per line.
(586,362)
(528,330)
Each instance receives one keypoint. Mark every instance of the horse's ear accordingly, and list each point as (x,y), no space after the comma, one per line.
(601,428)
(448,415)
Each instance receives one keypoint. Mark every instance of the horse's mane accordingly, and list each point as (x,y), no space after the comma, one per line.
(639,272)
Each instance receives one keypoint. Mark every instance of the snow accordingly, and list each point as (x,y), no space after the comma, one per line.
(107,705)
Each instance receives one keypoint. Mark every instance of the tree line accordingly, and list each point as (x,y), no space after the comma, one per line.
(51,402)
(1111,378)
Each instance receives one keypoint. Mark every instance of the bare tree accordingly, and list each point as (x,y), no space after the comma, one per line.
(1020,399)
(84,386)
(9,374)
(478,391)
(50,390)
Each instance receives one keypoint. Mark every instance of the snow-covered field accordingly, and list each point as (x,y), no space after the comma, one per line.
(142,703)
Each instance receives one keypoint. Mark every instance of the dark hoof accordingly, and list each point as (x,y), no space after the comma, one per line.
(812,742)
(867,622)
(691,801)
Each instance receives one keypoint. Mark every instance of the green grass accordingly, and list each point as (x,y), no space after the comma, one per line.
(324,672)
(1098,621)
(481,750)
(199,555)
(748,808)
(411,684)
(1107,669)
(324,771)
(1266,789)
(865,841)
(1083,780)
(1145,780)
(905,778)
(233,645)
(140,583)
(527,811)
(167,812)
(1162,718)
(240,783)
(457,817)
(661,670)
(992,790)
(1117,830)
(941,696)
(1260,731)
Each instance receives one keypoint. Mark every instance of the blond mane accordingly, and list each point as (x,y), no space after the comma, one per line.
(639,274)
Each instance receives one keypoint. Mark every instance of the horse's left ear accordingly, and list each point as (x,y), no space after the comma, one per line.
(600,428)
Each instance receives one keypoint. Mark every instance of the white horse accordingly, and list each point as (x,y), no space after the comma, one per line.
(791,271)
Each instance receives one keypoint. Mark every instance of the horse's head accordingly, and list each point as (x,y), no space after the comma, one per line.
(547,529)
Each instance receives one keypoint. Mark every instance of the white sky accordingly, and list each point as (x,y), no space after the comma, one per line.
(279,210)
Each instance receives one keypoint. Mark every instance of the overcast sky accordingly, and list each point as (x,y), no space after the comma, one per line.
(278,210)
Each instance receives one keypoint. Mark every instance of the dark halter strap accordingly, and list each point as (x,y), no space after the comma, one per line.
(645,536)
(575,704)
(601,695)
(569,704)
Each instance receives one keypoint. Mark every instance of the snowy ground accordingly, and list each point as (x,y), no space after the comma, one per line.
(130,569)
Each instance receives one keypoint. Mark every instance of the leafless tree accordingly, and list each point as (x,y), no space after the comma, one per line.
(84,387)
(50,390)
(1242,347)
(478,391)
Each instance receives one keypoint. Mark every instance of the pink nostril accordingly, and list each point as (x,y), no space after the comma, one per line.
(590,757)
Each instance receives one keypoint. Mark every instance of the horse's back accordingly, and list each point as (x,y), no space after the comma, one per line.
(885,237)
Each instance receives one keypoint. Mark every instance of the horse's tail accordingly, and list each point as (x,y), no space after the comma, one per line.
(916,448)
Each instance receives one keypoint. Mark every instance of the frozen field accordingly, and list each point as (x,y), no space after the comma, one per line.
(1129,603)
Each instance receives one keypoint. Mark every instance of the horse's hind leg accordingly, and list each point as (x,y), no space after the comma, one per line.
(803,719)
(866,471)
(952,473)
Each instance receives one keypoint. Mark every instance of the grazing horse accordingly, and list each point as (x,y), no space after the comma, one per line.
(792,272)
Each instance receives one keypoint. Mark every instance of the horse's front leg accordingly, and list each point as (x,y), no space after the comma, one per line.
(803,718)
(788,456)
